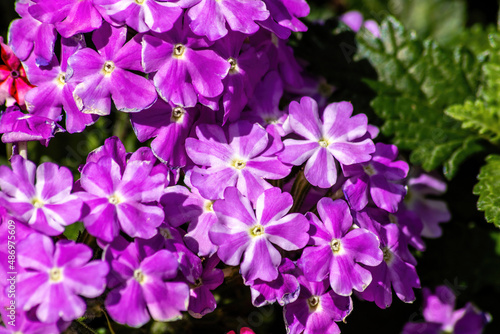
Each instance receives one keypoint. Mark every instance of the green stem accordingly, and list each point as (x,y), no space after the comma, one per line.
(22,146)
(299,191)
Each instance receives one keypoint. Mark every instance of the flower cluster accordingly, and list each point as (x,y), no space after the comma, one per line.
(217,187)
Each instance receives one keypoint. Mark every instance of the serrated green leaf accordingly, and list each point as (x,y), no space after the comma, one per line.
(418,80)
(73,231)
(476,115)
(488,189)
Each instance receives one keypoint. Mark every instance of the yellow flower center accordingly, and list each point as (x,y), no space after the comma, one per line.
(313,302)
(234,66)
(61,79)
(177,114)
(323,143)
(179,50)
(257,230)
(139,276)
(209,206)
(37,203)
(108,67)
(114,199)
(55,275)
(335,245)
(139,2)
(238,164)
(387,255)
(369,170)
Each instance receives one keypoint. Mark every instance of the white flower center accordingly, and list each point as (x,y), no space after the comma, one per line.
(55,275)
(323,142)
(115,199)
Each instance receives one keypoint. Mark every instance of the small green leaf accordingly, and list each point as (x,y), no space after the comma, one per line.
(488,189)
(73,231)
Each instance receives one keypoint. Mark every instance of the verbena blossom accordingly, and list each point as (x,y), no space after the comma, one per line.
(106,74)
(70,17)
(17,126)
(397,269)
(46,204)
(13,82)
(143,286)
(378,180)
(240,15)
(55,276)
(431,211)
(232,158)
(241,231)
(183,66)
(53,92)
(122,197)
(28,35)
(339,248)
(26,323)
(284,16)
(201,300)
(441,317)
(316,310)
(327,140)
(142,15)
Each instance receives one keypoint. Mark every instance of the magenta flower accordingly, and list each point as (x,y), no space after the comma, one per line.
(142,15)
(316,310)
(240,15)
(183,65)
(397,269)
(242,231)
(47,205)
(284,289)
(28,35)
(441,317)
(17,126)
(284,16)
(121,199)
(106,74)
(55,277)
(143,286)
(431,211)
(235,159)
(201,300)
(26,323)
(339,250)
(325,141)
(69,16)
(53,92)
(379,179)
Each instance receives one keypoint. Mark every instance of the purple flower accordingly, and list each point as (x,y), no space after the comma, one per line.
(18,321)
(316,310)
(201,300)
(184,206)
(284,289)
(144,286)
(47,205)
(378,179)
(440,316)
(240,230)
(339,250)
(142,15)
(325,141)
(235,159)
(170,127)
(354,20)
(105,74)
(55,277)
(121,199)
(53,92)
(183,66)
(430,211)
(284,16)
(239,15)
(29,35)
(397,269)
(69,16)
(17,126)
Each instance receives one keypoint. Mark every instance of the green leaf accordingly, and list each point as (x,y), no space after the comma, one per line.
(488,189)
(417,81)
(476,115)
(73,231)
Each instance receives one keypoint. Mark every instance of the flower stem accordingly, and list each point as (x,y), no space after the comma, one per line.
(22,147)
(299,191)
